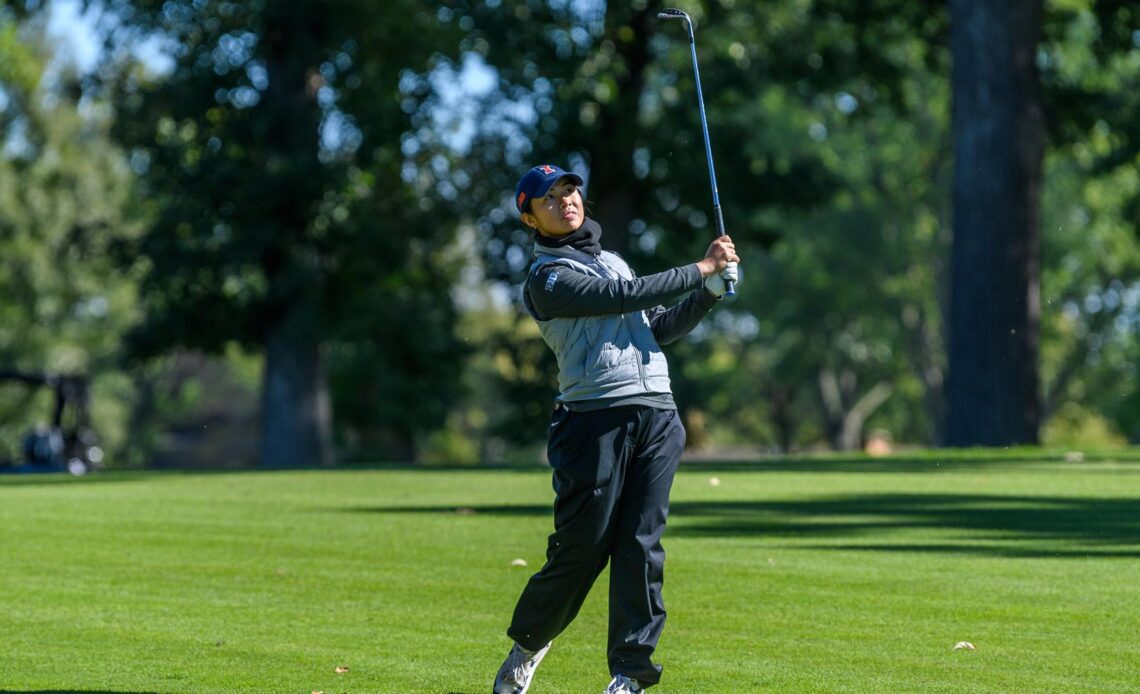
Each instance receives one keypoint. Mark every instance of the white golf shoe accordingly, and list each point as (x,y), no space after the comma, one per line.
(623,685)
(518,669)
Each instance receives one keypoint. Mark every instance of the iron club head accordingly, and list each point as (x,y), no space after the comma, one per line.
(674,13)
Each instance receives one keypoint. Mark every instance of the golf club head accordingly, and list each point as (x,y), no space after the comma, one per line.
(672,13)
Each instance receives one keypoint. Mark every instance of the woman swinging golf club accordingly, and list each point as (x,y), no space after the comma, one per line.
(615,439)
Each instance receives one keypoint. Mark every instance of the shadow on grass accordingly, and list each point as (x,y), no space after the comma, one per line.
(1008,526)
(1013,526)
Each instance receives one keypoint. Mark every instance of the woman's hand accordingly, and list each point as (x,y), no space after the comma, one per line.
(721,252)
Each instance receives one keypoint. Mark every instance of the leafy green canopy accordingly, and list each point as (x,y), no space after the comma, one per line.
(64,193)
(1090,66)
(282,201)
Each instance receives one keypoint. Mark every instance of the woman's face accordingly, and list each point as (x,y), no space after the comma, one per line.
(559,212)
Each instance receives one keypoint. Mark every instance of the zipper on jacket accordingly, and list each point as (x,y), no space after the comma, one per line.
(640,356)
(626,318)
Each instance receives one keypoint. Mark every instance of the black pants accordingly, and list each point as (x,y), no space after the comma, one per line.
(612,473)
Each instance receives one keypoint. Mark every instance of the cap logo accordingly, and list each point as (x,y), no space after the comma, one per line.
(547,169)
(522,197)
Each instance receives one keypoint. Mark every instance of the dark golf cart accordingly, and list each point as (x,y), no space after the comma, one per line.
(67,444)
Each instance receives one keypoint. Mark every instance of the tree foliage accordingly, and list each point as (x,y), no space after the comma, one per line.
(1091,220)
(64,189)
(303,169)
(286,217)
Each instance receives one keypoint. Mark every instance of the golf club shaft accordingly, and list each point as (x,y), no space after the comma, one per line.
(729,287)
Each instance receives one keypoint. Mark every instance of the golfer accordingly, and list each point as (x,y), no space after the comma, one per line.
(615,439)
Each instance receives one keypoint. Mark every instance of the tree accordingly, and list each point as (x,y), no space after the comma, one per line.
(1090,67)
(994,327)
(286,217)
(64,193)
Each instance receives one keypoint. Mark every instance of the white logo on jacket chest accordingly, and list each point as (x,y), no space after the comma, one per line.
(550,280)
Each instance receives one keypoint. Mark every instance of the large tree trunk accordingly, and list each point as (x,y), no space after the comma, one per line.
(992,386)
(295,411)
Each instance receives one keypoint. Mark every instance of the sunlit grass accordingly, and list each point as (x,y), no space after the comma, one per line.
(808,575)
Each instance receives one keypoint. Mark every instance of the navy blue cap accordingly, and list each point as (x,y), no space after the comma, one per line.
(537,181)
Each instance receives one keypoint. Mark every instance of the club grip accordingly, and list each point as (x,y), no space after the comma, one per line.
(729,287)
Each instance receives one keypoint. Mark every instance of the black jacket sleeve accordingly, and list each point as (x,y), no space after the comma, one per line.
(671,324)
(560,291)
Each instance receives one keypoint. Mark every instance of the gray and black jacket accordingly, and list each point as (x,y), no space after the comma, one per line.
(606,326)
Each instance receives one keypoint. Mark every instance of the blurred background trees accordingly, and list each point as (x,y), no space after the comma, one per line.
(281,219)
(64,196)
(291,223)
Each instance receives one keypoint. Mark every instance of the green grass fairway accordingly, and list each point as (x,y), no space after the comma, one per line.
(799,575)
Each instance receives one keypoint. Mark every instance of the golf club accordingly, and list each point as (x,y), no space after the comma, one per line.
(672,13)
